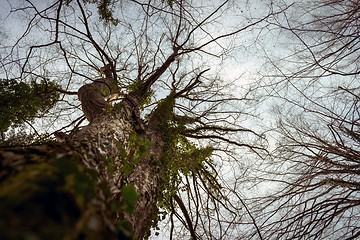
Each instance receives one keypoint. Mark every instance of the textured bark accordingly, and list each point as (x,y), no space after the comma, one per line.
(99,145)
(94,103)
(92,95)
(47,193)
(98,141)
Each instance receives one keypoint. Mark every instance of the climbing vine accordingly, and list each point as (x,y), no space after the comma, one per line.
(180,158)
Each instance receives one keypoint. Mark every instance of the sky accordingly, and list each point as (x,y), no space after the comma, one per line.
(246,66)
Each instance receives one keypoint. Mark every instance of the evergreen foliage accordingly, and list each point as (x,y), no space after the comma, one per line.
(20,102)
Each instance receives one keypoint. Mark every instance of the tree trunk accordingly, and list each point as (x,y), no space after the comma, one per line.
(102,181)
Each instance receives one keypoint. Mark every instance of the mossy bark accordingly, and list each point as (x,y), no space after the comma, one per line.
(102,182)
(46,192)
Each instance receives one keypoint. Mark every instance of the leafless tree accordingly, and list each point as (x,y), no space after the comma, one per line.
(160,124)
(314,168)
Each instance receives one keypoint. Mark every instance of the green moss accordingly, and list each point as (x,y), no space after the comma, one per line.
(105,10)
(138,148)
(129,198)
(50,198)
(181,157)
(136,88)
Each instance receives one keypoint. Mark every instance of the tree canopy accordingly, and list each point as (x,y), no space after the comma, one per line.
(205,119)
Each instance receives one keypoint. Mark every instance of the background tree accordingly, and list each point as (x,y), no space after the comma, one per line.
(315,161)
(160,124)
(21,102)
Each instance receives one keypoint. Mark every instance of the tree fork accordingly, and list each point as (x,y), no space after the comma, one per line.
(55,175)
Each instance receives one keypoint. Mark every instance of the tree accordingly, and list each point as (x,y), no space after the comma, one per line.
(160,119)
(39,98)
(315,162)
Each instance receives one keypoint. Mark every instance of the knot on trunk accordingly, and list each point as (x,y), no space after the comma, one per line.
(92,102)
(93,95)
